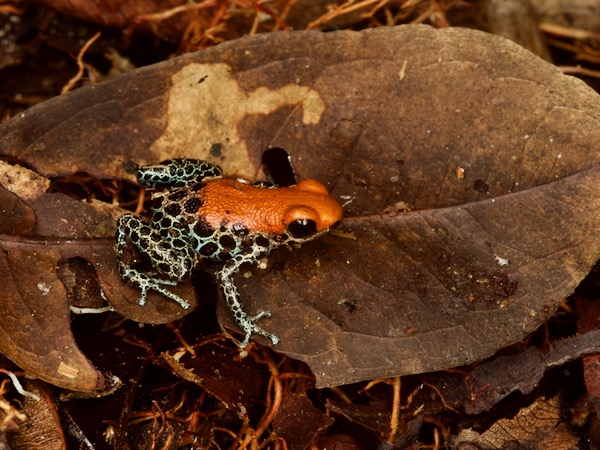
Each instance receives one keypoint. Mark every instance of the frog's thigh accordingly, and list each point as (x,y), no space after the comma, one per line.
(171,255)
(127,228)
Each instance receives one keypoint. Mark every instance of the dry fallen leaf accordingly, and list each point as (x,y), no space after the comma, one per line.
(476,390)
(42,428)
(538,426)
(387,118)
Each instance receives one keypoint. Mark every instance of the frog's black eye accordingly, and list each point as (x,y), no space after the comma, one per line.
(302,228)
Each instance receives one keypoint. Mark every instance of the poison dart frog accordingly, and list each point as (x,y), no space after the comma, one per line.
(197,215)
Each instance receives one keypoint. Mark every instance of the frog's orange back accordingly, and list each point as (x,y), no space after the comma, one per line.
(268,210)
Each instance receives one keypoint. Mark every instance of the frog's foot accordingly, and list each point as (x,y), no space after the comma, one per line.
(161,290)
(244,320)
(147,282)
(248,324)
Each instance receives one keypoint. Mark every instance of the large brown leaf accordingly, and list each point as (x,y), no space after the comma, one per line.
(493,151)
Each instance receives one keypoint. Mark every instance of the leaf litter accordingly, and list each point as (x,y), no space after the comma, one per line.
(477,262)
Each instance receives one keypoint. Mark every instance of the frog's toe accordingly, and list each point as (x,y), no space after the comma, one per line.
(274,338)
(260,315)
(156,285)
(255,329)
(184,304)
(143,295)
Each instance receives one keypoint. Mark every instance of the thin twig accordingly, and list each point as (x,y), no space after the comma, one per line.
(395,410)
(578,70)
(80,64)
(336,11)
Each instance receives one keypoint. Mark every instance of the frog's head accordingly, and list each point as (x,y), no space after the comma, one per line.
(315,213)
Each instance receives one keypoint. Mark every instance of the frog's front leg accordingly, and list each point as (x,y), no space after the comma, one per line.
(177,173)
(171,256)
(245,321)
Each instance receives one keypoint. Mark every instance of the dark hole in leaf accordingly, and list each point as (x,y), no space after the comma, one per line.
(278,166)
(481,186)
(216,150)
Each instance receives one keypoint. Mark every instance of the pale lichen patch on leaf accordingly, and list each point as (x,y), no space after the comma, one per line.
(206,103)
(23,182)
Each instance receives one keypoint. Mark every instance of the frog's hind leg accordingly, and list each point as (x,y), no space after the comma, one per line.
(170,256)
(177,173)
(245,321)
